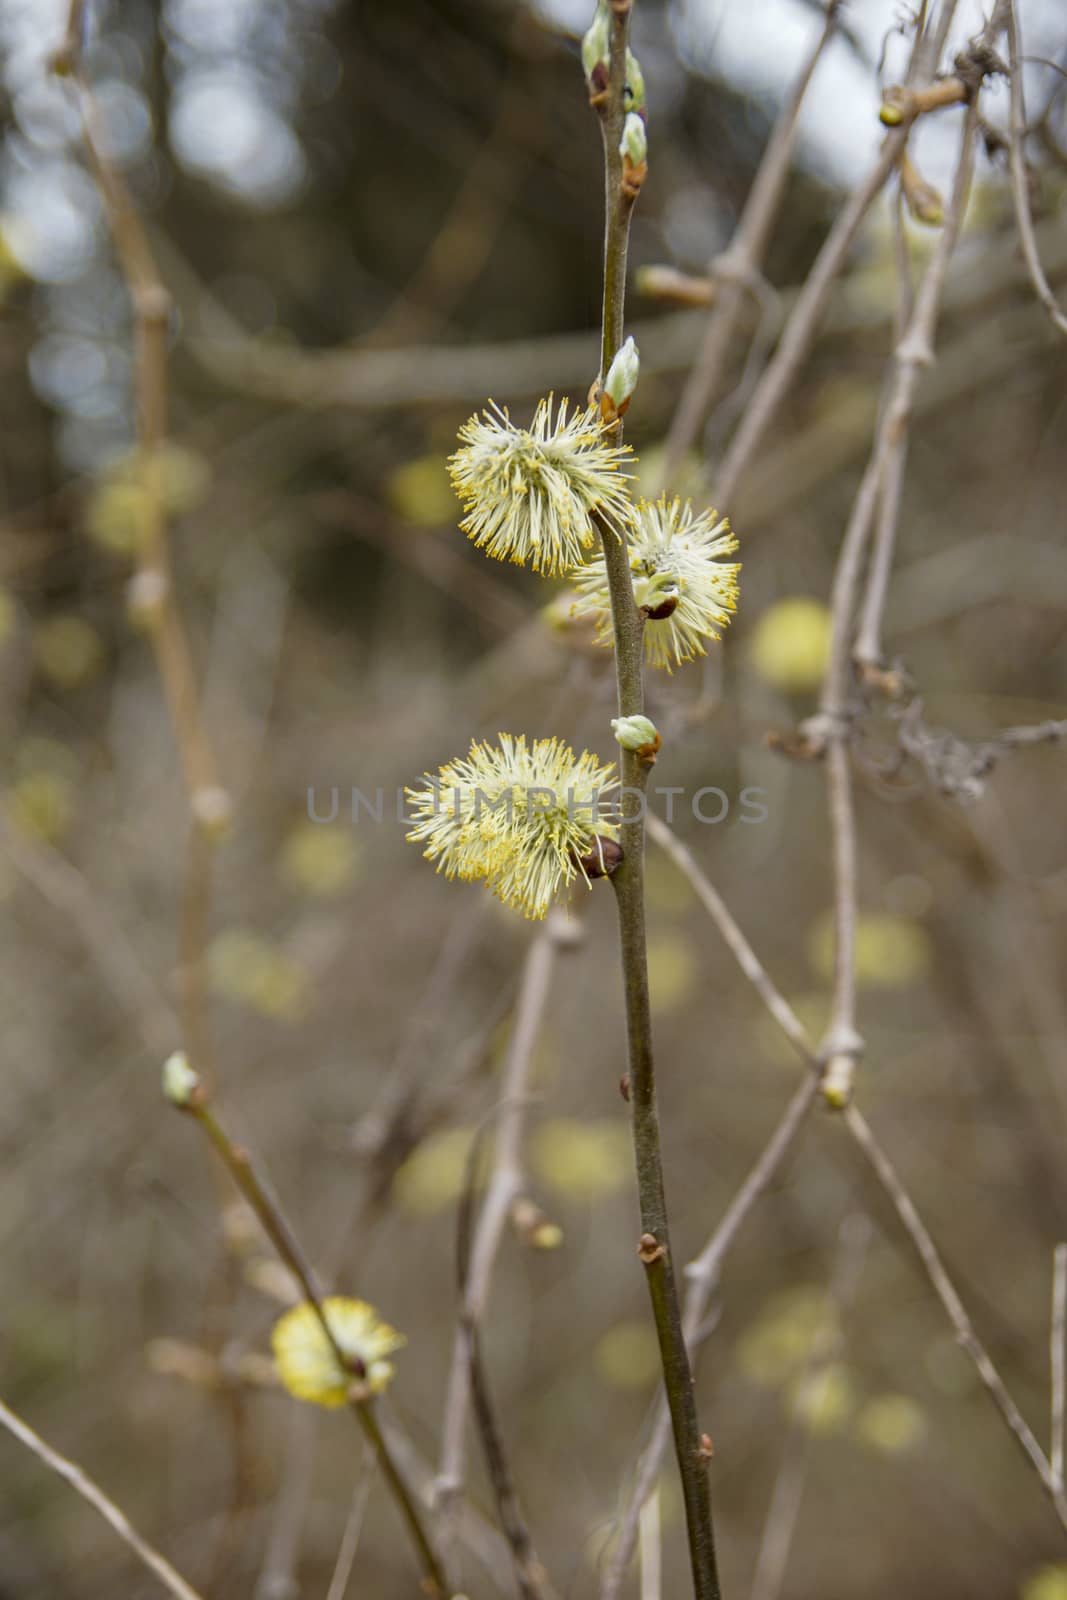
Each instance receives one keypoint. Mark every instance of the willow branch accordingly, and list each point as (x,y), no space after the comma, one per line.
(735,270)
(1058,1360)
(346,1554)
(800,330)
(152,589)
(887,1176)
(654,1249)
(843,1045)
(83,1485)
(1020,183)
(702,1280)
(479,1248)
(278,1230)
(946,1292)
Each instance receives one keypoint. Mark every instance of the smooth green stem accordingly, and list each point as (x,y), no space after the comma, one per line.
(628,883)
(238,1164)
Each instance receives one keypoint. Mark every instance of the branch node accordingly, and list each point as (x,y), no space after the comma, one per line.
(650,1250)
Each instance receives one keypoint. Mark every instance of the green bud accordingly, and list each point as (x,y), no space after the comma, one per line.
(633,146)
(621,380)
(635,84)
(596,46)
(180,1081)
(656,594)
(635,733)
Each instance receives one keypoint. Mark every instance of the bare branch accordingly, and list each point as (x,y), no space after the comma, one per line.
(82,1484)
(887,1176)
(506,1185)
(1020,183)
(784,1510)
(734,271)
(1058,1360)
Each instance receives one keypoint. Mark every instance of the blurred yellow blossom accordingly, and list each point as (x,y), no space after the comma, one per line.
(67,650)
(247,968)
(892,1424)
(1047,1583)
(116,512)
(319,859)
(307,1363)
(824,1399)
(8,616)
(791,644)
(41,805)
(891,952)
(581,1159)
(419,491)
(775,1348)
(627,1356)
(672,970)
(434,1174)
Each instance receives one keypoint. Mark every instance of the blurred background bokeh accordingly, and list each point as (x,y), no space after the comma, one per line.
(373,217)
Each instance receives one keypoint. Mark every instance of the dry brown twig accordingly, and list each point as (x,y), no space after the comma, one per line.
(91,1492)
(622,182)
(191,1095)
(1020,183)
(1058,1361)
(152,601)
(862,1135)
(733,272)
(800,330)
(506,1188)
(784,1510)
(828,733)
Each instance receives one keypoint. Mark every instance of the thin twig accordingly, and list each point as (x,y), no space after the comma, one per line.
(105,941)
(651,1550)
(276,1226)
(843,1045)
(346,1555)
(1058,1362)
(702,1279)
(479,1253)
(798,335)
(784,1510)
(802,326)
(887,1176)
(654,1249)
(946,1292)
(82,1484)
(735,270)
(152,590)
(1020,183)
(738,945)
(281,1558)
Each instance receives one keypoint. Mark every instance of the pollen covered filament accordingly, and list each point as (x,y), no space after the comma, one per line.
(520,817)
(529,493)
(685,592)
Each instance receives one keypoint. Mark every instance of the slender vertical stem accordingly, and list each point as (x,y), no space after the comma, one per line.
(1058,1354)
(112,1514)
(479,1245)
(1020,182)
(628,882)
